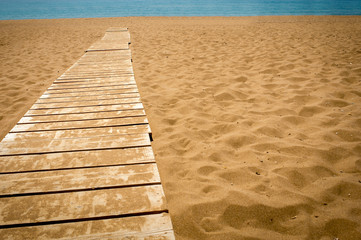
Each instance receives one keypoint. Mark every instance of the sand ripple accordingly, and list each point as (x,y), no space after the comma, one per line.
(256,121)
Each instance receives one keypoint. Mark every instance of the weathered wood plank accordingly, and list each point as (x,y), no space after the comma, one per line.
(86,99)
(155,226)
(76,133)
(86,103)
(108,45)
(96,75)
(94,92)
(90,70)
(99,68)
(81,205)
(111,122)
(124,92)
(83,159)
(121,107)
(121,36)
(123,79)
(34,146)
(48,99)
(108,62)
(90,84)
(121,59)
(81,116)
(78,179)
(105,56)
(90,89)
(120,72)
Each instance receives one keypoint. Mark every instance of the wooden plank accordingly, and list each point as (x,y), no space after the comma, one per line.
(96,75)
(107,46)
(90,89)
(76,133)
(108,53)
(101,79)
(99,72)
(82,159)
(155,226)
(78,179)
(93,93)
(125,78)
(105,56)
(112,122)
(89,69)
(86,103)
(81,116)
(86,98)
(104,62)
(100,68)
(121,62)
(90,83)
(129,89)
(122,37)
(116,61)
(81,205)
(77,85)
(93,81)
(34,146)
(77,79)
(92,109)
(48,99)
(86,69)
(104,59)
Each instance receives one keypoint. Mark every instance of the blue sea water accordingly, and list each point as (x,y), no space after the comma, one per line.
(40,9)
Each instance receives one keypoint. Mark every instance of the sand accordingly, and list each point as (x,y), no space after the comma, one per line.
(256,120)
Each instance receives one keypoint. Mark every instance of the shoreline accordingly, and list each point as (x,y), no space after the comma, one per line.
(250,16)
(255,120)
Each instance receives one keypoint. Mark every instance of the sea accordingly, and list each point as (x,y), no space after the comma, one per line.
(48,9)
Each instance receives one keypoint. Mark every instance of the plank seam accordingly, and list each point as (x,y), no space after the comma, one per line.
(95,105)
(83,219)
(36,115)
(96,86)
(47,93)
(103,99)
(69,96)
(83,167)
(65,129)
(75,78)
(79,150)
(79,120)
(80,190)
(107,50)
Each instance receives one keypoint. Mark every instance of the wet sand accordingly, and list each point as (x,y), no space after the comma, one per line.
(256,120)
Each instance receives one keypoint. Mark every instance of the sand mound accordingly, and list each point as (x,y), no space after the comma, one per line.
(256,120)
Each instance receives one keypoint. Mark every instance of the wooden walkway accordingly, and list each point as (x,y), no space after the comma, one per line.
(79,164)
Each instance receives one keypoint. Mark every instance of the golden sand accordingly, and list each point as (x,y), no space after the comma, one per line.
(256,120)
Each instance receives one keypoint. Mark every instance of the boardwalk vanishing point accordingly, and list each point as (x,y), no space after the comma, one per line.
(79,164)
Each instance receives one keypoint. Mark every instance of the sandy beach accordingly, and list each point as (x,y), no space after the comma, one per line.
(256,120)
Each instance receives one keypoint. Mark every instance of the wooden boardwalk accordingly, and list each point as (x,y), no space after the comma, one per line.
(79,164)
